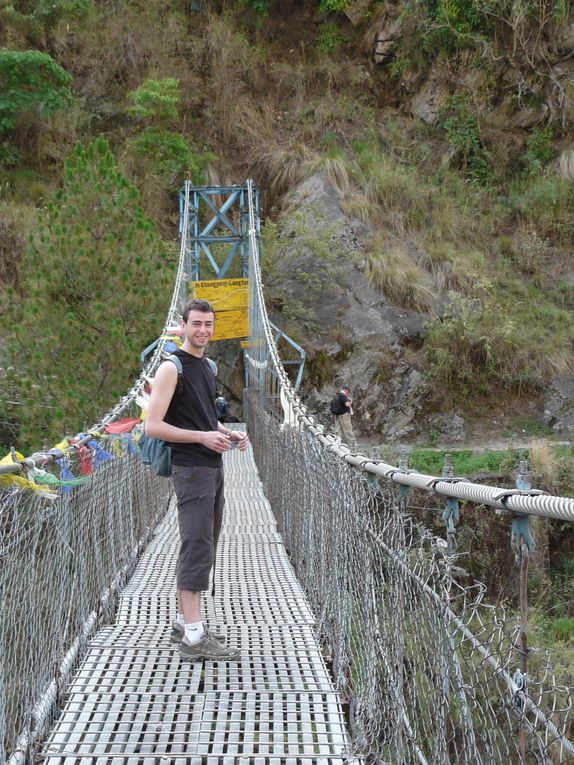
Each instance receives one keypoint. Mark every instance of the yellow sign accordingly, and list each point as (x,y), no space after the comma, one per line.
(229,324)
(229,297)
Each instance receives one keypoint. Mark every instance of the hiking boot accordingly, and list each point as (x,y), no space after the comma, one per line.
(177,633)
(208,649)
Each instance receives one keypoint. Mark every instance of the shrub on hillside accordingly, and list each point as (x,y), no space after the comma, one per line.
(30,82)
(170,156)
(155,101)
(482,343)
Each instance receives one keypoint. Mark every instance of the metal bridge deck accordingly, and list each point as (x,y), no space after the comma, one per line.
(133,701)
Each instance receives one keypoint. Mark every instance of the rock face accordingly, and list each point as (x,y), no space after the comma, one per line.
(352,333)
(559,406)
(428,101)
(388,32)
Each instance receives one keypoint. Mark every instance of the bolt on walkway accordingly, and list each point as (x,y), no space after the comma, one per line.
(133,700)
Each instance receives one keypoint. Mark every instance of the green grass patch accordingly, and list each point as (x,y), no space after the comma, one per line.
(563,629)
(465,462)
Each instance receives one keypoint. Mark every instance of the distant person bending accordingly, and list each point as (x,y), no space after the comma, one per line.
(221,408)
(342,409)
(188,421)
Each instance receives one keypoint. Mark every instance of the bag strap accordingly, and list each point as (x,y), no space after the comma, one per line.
(178,365)
(177,361)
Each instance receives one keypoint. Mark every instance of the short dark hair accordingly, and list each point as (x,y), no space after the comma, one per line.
(198,304)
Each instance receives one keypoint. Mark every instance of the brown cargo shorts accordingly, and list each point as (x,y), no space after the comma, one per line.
(199,492)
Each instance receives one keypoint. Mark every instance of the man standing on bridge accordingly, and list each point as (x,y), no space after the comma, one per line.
(186,418)
(342,409)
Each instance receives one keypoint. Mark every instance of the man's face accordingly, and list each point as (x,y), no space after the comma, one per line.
(199,328)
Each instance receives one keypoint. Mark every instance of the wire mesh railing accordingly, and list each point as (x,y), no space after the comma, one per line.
(431,672)
(63,560)
(62,564)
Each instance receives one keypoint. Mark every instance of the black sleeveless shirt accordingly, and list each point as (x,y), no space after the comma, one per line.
(194,409)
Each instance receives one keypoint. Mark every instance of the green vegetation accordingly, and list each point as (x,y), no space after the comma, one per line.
(461,127)
(333,5)
(329,38)
(539,151)
(400,278)
(31,82)
(76,323)
(465,462)
(167,153)
(563,629)
(156,101)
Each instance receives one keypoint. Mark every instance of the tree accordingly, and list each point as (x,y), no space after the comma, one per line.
(94,289)
(31,81)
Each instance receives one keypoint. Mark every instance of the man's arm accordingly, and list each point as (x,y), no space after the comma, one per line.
(160,399)
(345,400)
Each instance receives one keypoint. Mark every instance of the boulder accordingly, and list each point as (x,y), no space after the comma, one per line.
(447,429)
(331,286)
(427,102)
(407,394)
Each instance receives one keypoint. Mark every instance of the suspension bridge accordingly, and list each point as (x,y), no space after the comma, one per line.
(360,641)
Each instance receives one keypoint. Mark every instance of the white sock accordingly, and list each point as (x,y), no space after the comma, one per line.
(181,620)
(194,632)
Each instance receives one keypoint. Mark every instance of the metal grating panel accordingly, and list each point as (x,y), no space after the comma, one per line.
(134,702)
(210,759)
(222,723)
(141,670)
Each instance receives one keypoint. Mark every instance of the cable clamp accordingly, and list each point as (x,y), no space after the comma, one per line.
(521,682)
(505,495)
(433,481)
(390,473)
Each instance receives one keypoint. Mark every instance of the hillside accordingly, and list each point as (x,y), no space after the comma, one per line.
(416,167)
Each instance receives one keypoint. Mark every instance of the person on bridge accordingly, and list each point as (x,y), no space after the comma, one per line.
(187,419)
(342,410)
(223,411)
(221,408)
